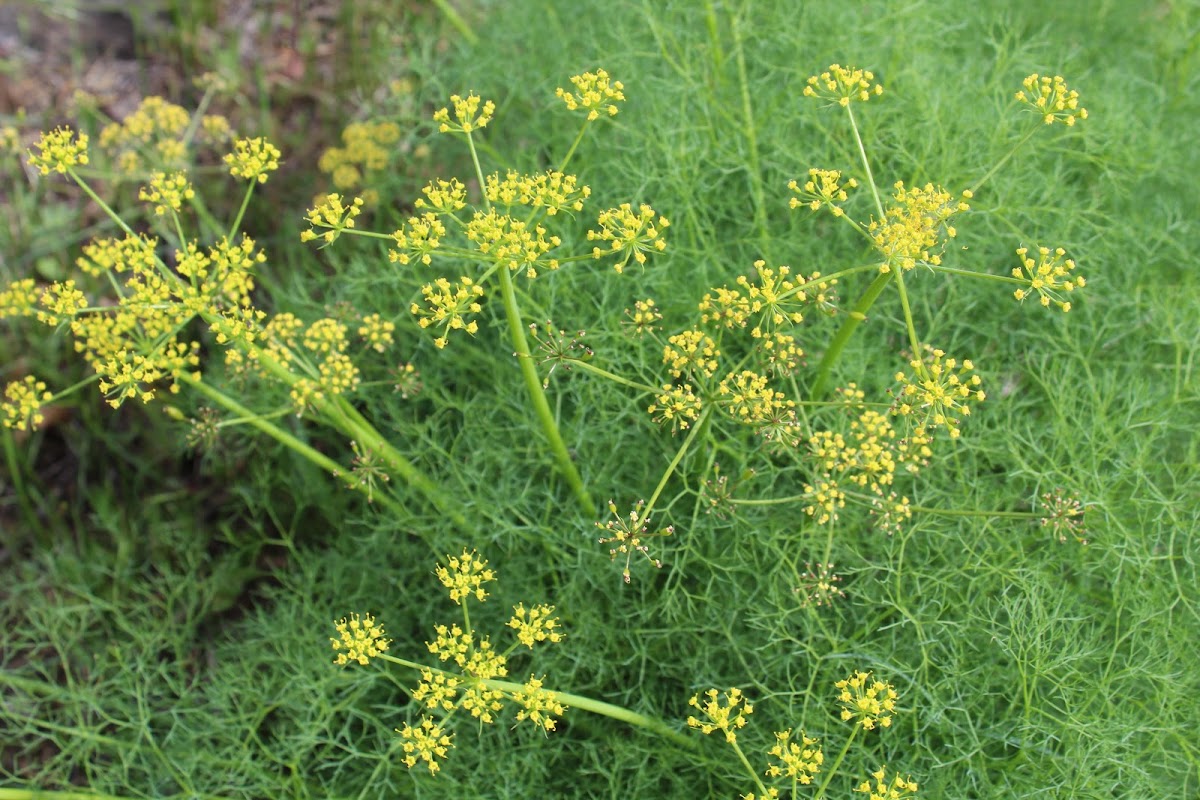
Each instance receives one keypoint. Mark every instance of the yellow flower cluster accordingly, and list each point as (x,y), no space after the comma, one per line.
(478,688)
(677,405)
(869,703)
(823,188)
(798,760)
(22,404)
(427,742)
(465,576)
(447,307)
(843,85)
(594,92)
(155,132)
(897,789)
(628,535)
(59,150)
(253,159)
(824,499)
(535,625)
(366,150)
(644,317)
(468,116)
(1050,97)
(512,243)
(418,239)
(725,713)
(693,352)
(332,215)
(633,234)
(939,391)
(748,398)
(444,197)
(167,191)
(551,190)
(910,232)
(377,332)
(358,640)
(1046,275)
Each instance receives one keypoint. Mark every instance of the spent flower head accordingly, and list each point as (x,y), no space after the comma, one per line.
(59,150)
(725,712)
(1047,275)
(819,585)
(465,575)
(594,92)
(1049,97)
(1064,515)
(843,85)
(627,535)
(869,703)
(468,114)
(359,639)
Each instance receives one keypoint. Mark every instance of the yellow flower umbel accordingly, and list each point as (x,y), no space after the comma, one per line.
(799,760)
(1050,97)
(869,703)
(843,85)
(676,405)
(535,625)
(897,789)
(59,150)
(426,742)
(447,307)
(253,159)
(1048,274)
(594,92)
(939,391)
(22,404)
(359,639)
(465,576)
(824,188)
(468,116)
(333,216)
(167,191)
(633,234)
(627,535)
(910,232)
(727,715)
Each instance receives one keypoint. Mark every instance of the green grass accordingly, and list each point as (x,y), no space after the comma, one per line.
(149,662)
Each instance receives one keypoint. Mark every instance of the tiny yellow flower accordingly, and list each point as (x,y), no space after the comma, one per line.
(377,332)
(1049,97)
(59,150)
(361,638)
(22,404)
(468,116)
(333,216)
(253,159)
(635,234)
(843,85)
(677,405)
(167,191)
(824,187)
(869,703)
(594,92)
(538,705)
(426,742)
(465,575)
(727,714)
(1047,275)
(940,390)
(535,625)
(896,789)
(800,760)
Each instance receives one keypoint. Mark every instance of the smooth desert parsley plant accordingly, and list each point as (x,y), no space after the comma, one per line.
(796,760)
(468,679)
(141,320)
(511,229)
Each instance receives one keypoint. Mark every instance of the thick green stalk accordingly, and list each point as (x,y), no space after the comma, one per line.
(541,406)
(853,320)
(573,701)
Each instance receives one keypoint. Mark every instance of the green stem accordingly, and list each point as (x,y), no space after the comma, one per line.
(853,320)
(683,448)
(18,487)
(641,387)
(836,763)
(987,176)
(456,20)
(278,434)
(537,396)
(566,698)
(751,133)
(237,221)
